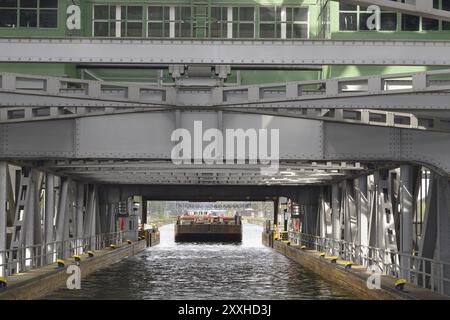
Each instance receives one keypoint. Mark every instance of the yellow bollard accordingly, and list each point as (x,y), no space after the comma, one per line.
(3,282)
(400,284)
(60,263)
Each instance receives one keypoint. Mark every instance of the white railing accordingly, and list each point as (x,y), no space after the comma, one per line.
(30,257)
(423,272)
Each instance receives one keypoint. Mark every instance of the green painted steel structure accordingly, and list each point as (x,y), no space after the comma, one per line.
(216,19)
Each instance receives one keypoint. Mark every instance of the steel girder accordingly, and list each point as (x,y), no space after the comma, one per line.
(34,91)
(362,210)
(3,215)
(422,8)
(229,52)
(35,98)
(164,172)
(147,136)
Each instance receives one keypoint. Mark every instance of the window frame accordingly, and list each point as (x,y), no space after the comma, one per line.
(19,8)
(399,27)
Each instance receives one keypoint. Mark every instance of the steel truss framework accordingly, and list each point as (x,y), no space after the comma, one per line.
(370,220)
(326,136)
(164,172)
(110,137)
(43,98)
(45,217)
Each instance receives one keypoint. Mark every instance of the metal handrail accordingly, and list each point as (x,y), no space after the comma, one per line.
(25,258)
(423,272)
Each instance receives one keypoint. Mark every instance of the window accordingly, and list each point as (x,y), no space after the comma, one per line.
(270,22)
(158,21)
(104,21)
(446,6)
(410,23)
(118,21)
(348,17)
(218,24)
(183,25)
(8,14)
(296,22)
(133,20)
(28,13)
(354,18)
(243,22)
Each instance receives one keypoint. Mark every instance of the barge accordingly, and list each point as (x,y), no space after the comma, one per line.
(208,228)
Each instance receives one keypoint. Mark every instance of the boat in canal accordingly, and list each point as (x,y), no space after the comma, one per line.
(209,227)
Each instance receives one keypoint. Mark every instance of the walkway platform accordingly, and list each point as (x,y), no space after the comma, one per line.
(355,278)
(37,283)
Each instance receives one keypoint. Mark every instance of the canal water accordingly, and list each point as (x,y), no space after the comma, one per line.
(206,271)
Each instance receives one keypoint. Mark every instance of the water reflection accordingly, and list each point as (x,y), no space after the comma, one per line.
(205,271)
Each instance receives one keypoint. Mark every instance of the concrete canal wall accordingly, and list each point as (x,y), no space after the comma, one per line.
(355,279)
(37,283)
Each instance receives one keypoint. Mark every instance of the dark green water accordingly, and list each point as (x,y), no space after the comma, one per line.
(206,271)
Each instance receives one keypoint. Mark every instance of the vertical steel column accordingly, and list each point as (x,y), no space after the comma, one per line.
(79,216)
(276,207)
(111,218)
(345,210)
(62,219)
(90,217)
(322,221)
(49,215)
(3,215)
(362,212)
(443,232)
(429,230)
(406,218)
(336,221)
(32,217)
(144,213)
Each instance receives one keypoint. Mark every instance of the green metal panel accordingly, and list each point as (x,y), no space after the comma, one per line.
(200,22)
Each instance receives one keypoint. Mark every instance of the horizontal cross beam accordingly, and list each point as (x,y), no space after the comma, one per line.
(229,52)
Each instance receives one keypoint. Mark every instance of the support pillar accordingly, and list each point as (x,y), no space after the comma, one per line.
(49,236)
(62,220)
(443,232)
(3,215)
(276,207)
(336,221)
(79,205)
(362,212)
(144,213)
(32,217)
(90,217)
(406,218)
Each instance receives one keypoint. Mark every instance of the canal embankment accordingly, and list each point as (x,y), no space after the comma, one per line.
(39,282)
(355,278)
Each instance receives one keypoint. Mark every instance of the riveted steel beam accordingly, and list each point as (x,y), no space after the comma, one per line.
(230,52)
(58,97)
(108,137)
